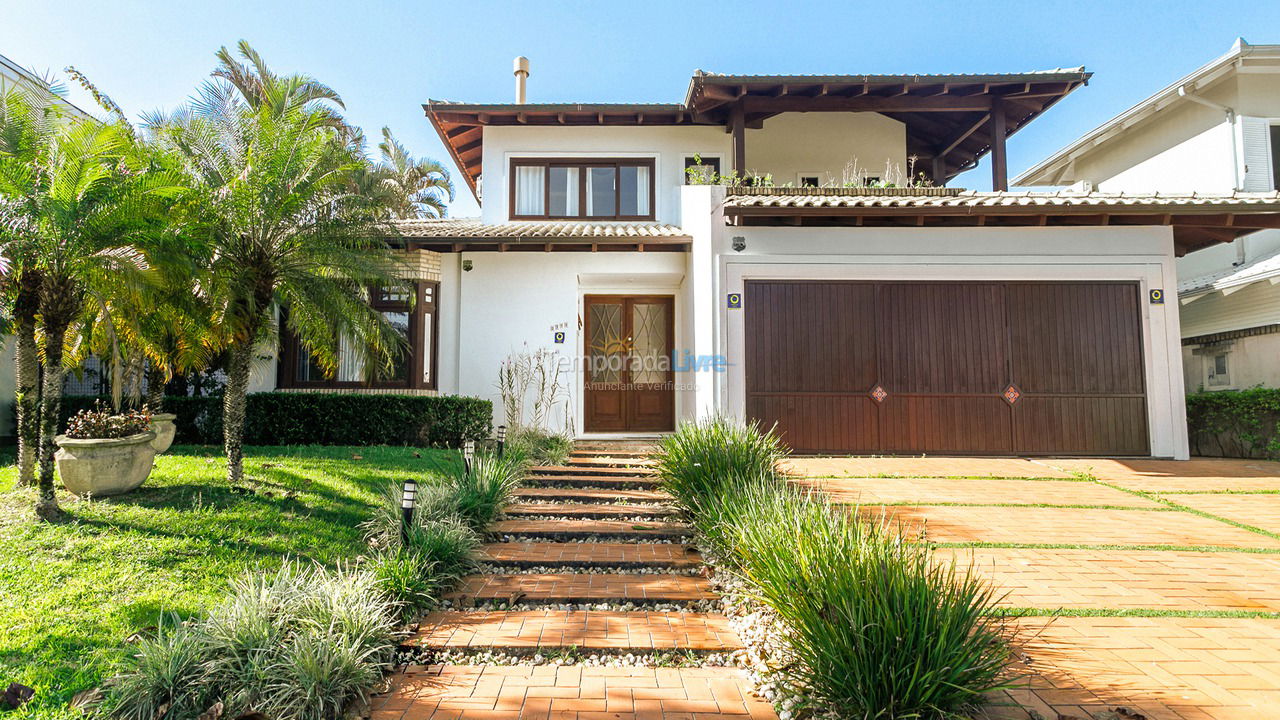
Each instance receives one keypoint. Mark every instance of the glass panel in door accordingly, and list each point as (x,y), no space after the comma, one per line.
(649,343)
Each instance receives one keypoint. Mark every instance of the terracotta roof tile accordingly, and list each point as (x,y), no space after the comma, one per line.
(473,228)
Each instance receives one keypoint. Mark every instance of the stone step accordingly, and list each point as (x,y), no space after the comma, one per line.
(557,588)
(592,511)
(587,469)
(532,630)
(601,461)
(589,495)
(574,529)
(592,481)
(603,554)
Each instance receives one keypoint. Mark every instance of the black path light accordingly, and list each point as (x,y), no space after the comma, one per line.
(502,440)
(408,500)
(468,454)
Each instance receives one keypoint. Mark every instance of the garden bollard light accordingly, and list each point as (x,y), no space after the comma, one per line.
(502,440)
(468,454)
(408,500)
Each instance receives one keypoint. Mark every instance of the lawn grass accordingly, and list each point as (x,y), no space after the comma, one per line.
(73,592)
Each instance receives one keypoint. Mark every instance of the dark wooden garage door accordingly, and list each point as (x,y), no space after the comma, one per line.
(968,368)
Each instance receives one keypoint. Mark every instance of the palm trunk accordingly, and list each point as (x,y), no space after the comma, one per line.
(27,379)
(55,333)
(233,410)
(155,388)
(27,376)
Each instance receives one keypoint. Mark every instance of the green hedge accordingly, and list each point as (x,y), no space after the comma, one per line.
(281,418)
(1235,423)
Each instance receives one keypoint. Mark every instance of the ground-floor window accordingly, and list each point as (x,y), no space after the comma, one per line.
(411,310)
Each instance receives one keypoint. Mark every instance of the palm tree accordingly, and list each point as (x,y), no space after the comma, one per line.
(29,117)
(276,224)
(413,188)
(89,207)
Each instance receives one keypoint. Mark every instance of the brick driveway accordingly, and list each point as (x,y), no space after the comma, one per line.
(1147,585)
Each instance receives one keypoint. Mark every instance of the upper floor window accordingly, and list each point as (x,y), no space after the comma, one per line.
(1275,157)
(586,188)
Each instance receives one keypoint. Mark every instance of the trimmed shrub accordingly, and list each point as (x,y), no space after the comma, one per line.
(284,418)
(1235,423)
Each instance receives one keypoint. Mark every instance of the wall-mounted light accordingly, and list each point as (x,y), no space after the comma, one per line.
(408,500)
(739,243)
(466,266)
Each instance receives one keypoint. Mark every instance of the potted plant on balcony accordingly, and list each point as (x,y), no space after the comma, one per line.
(105,454)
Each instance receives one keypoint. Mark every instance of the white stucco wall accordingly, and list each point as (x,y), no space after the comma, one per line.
(788,144)
(825,143)
(516,301)
(667,145)
(1251,362)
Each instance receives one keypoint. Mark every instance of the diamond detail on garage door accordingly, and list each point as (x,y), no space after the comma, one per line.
(1012,394)
(878,394)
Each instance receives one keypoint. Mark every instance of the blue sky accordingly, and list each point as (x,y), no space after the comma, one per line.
(385,58)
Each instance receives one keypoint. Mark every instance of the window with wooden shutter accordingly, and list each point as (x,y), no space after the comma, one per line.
(1256,153)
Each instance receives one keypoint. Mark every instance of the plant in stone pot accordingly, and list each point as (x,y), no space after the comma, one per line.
(104,453)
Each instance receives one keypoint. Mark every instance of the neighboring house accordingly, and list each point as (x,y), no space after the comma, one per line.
(858,319)
(1216,130)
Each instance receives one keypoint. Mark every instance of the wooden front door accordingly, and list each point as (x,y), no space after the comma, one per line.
(628,379)
(978,368)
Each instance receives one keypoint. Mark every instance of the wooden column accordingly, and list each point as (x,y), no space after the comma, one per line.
(737,125)
(939,171)
(999,163)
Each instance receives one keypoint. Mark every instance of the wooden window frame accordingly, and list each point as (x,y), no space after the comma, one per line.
(583,165)
(417,308)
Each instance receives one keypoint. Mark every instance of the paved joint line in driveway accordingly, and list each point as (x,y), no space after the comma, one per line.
(1076,546)
(1148,495)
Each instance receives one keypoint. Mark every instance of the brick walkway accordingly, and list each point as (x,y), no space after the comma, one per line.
(599,487)
(574,693)
(1163,668)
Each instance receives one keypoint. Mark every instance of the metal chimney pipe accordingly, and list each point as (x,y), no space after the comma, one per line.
(522,75)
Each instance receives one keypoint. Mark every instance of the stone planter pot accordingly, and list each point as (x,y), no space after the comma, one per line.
(105,467)
(162,424)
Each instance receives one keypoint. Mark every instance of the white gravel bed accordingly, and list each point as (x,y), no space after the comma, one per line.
(766,656)
(595,539)
(488,569)
(692,606)
(561,656)
(637,519)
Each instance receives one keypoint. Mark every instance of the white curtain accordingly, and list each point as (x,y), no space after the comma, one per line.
(530,190)
(642,190)
(350,367)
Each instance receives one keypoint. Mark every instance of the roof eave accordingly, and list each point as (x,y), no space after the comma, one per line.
(1048,172)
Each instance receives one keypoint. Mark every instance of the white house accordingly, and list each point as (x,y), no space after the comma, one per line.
(858,318)
(1216,130)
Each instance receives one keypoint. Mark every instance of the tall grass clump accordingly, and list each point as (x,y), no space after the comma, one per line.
(482,494)
(296,644)
(539,446)
(165,677)
(876,626)
(702,463)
